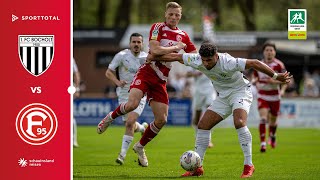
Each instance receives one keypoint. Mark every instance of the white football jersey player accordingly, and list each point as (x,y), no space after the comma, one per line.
(128,65)
(225,75)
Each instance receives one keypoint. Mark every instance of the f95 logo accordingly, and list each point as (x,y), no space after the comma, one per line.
(36,124)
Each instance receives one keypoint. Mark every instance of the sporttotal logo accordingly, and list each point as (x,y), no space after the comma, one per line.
(36,124)
(36,52)
(14,18)
(35,18)
(297,24)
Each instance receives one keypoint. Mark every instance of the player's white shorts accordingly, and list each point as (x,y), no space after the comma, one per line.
(237,99)
(202,101)
(123,97)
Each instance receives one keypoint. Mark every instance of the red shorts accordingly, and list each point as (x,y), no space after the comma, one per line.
(149,83)
(273,106)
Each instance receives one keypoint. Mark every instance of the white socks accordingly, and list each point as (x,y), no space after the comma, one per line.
(75,140)
(196,131)
(140,128)
(245,140)
(202,141)
(126,142)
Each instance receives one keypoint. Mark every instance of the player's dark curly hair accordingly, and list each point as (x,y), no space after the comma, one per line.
(208,49)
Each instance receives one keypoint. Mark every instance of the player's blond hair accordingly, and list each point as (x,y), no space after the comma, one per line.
(173,5)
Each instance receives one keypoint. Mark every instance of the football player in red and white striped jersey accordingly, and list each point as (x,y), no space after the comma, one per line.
(151,78)
(269,95)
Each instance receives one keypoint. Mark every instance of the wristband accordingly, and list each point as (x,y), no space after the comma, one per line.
(275,75)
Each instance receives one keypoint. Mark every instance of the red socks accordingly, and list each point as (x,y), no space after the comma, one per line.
(272,131)
(119,111)
(262,131)
(149,134)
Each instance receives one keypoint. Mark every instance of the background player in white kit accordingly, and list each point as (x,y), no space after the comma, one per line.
(202,96)
(234,97)
(128,62)
(76,83)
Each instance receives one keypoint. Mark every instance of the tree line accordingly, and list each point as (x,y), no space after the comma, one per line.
(229,15)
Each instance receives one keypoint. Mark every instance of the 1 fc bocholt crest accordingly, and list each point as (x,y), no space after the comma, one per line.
(36,52)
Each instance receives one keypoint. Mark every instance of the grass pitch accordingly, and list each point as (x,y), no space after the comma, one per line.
(297,155)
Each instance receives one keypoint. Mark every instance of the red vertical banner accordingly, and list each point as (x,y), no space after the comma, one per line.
(35,76)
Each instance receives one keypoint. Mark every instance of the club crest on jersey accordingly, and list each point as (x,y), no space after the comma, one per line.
(179,38)
(154,34)
(137,82)
(36,52)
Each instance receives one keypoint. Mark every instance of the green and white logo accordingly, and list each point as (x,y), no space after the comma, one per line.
(297,17)
(297,24)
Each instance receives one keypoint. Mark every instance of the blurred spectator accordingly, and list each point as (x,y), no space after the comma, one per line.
(306,75)
(316,77)
(110,92)
(186,92)
(292,89)
(172,92)
(310,89)
(178,83)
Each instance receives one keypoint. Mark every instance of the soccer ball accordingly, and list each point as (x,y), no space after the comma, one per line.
(190,160)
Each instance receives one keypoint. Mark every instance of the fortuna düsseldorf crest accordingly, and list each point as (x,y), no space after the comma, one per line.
(36,52)
(36,124)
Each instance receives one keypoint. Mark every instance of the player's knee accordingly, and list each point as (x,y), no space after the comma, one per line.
(161,121)
(203,125)
(239,123)
(130,123)
(263,115)
(263,121)
(273,123)
(132,105)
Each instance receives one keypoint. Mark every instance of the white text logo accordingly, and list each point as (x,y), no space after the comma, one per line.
(14,18)
(35,18)
(22,162)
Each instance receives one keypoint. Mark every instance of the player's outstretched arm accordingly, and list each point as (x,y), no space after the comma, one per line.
(168,57)
(157,50)
(260,66)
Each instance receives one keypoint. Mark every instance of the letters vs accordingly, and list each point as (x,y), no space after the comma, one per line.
(35,90)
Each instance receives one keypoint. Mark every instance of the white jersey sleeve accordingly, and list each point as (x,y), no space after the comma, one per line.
(116,61)
(192,59)
(234,64)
